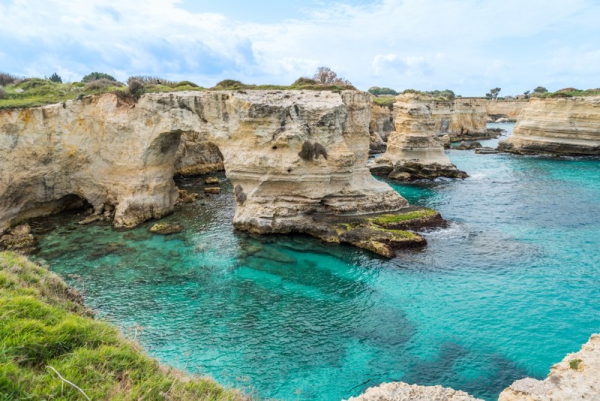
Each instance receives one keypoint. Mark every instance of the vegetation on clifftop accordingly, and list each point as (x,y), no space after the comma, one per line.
(45,329)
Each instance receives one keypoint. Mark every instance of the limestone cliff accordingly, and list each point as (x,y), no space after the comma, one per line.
(382,120)
(415,150)
(292,156)
(508,109)
(577,377)
(557,126)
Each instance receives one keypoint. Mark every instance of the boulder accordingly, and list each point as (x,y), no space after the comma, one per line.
(163,228)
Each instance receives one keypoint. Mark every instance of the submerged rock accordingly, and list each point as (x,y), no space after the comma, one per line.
(468,145)
(212,190)
(187,197)
(163,228)
(212,181)
(486,151)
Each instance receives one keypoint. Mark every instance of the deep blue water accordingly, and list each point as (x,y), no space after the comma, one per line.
(510,288)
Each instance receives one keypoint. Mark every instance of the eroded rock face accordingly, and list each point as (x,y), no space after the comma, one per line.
(507,109)
(416,150)
(382,120)
(563,126)
(121,156)
(405,392)
(577,377)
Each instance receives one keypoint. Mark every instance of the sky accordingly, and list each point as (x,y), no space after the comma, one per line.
(468,46)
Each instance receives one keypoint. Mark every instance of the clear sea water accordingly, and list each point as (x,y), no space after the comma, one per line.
(508,290)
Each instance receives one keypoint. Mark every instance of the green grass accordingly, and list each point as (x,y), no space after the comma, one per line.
(43,323)
(574,364)
(569,92)
(402,217)
(385,100)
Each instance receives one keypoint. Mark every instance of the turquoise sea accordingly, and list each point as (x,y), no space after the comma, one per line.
(509,289)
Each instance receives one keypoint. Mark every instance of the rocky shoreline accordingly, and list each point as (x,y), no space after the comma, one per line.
(576,377)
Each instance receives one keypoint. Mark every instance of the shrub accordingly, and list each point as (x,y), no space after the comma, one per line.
(149,80)
(136,87)
(100,84)
(55,78)
(186,83)
(407,91)
(377,91)
(2,93)
(30,83)
(7,79)
(302,81)
(574,364)
(540,89)
(229,84)
(568,90)
(94,76)
(307,152)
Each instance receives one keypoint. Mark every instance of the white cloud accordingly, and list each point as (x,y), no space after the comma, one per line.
(465,45)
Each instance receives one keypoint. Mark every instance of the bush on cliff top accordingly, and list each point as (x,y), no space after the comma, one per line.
(44,324)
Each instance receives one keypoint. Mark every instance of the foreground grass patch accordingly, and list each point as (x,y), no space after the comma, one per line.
(44,325)
(401,217)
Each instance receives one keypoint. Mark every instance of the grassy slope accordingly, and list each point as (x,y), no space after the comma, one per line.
(44,323)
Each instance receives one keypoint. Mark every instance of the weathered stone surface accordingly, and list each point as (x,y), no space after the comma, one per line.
(197,156)
(187,197)
(120,156)
(406,392)
(416,147)
(468,145)
(557,126)
(382,120)
(212,190)
(577,377)
(509,109)
(163,228)
(19,239)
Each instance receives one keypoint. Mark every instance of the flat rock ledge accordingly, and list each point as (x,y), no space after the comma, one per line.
(381,233)
(406,392)
(412,171)
(576,377)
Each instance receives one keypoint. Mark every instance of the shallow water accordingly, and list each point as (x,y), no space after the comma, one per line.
(510,288)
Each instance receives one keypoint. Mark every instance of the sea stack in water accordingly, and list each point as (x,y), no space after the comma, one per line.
(557,126)
(297,160)
(415,150)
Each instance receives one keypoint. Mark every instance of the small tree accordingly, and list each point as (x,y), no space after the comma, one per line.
(325,76)
(377,91)
(540,89)
(55,78)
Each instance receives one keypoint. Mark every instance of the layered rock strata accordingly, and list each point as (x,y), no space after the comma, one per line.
(381,125)
(508,110)
(292,157)
(577,377)
(415,150)
(557,126)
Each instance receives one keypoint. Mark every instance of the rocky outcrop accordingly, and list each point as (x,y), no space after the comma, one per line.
(508,110)
(577,377)
(557,126)
(405,392)
(197,156)
(292,156)
(382,120)
(415,150)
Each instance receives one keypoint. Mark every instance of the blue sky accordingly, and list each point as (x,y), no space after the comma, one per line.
(468,46)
